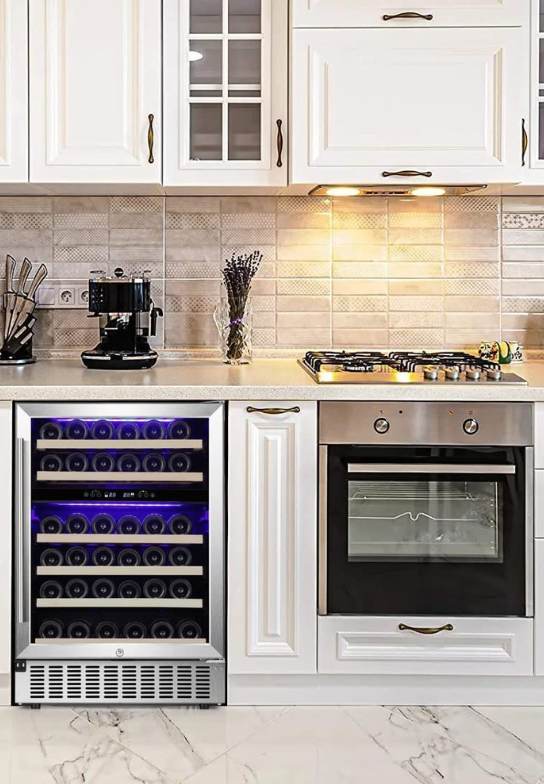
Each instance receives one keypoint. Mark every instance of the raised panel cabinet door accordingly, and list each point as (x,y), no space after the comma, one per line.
(13,91)
(272,490)
(445,104)
(225,92)
(430,13)
(5,552)
(539,607)
(95,91)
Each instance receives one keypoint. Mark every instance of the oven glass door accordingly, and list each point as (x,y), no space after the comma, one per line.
(426,531)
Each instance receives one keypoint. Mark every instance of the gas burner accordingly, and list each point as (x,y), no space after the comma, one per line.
(351,367)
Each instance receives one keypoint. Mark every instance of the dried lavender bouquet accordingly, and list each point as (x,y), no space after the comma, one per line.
(238,275)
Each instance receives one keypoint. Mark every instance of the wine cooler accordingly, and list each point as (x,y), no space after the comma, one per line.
(119,561)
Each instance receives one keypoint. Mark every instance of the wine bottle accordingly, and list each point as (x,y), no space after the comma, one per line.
(77,461)
(51,462)
(50,589)
(180,588)
(153,430)
(103,462)
(103,523)
(162,630)
(79,630)
(128,431)
(154,588)
(128,556)
(179,556)
(51,525)
(179,462)
(179,429)
(134,630)
(51,629)
(128,463)
(76,588)
(153,556)
(129,525)
(76,556)
(103,588)
(154,462)
(153,524)
(189,630)
(51,557)
(103,556)
(76,429)
(102,430)
(129,589)
(179,524)
(77,523)
(51,431)
(107,630)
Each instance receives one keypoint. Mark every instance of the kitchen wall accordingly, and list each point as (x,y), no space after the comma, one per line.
(346,272)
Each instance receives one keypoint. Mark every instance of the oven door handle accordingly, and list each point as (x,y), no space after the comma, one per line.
(427,468)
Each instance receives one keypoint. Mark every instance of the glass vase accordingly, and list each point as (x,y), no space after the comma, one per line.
(234,334)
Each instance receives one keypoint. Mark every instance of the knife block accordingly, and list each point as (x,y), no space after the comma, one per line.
(21,356)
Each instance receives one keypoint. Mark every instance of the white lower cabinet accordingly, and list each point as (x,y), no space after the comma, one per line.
(272,491)
(385,646)
(539,606)
(5,553)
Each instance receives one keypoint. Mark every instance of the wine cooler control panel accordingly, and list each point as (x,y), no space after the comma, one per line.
(120,533)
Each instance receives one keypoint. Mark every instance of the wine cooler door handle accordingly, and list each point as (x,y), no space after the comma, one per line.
(20,530)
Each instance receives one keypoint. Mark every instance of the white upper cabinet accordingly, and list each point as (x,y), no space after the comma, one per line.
(95,91)
(533,159)
(408,13)
(13,91)
(444,105)
(225,92)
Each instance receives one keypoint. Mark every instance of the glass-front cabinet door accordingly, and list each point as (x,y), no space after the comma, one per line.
(225,92)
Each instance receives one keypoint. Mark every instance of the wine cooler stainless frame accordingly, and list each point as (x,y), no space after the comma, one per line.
(212,651)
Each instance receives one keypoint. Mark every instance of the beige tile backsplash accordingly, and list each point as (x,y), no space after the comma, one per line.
(373,272)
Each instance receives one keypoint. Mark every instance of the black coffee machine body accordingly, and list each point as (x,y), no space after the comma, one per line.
(127,319)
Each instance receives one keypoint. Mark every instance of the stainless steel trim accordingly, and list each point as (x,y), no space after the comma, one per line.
(110,476)
(529,531)
(323,513)
(107,443)
(428,468)
(19,527)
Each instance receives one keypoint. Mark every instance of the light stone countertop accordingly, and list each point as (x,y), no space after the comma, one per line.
(264,379)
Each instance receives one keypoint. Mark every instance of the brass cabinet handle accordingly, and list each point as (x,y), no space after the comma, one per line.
(151,138)
(279,142)
(524,142)
(408,15)
(407,173)
(425,629)
(273,411)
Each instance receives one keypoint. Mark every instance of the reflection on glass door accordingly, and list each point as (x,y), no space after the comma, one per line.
(224,51)
(540,88)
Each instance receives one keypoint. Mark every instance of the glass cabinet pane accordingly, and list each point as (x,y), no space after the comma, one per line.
(542,16)
(206,16)
(206,132)
(245,64)
(244,16)
(244,132)
(434,520)
(206,63)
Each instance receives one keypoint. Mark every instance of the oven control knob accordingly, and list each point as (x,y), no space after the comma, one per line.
(381,426)
(471,427)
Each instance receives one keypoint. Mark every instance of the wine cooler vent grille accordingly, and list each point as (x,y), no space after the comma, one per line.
(107,682)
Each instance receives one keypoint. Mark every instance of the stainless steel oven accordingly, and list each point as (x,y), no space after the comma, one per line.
(426,509)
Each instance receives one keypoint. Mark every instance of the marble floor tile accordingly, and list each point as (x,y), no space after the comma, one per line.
(291,745)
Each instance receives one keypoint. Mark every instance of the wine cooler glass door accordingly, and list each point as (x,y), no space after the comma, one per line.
(119,531)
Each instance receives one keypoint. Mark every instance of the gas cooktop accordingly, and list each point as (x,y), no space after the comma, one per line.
(404,367)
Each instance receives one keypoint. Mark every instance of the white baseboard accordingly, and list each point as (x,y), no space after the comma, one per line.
(383,690)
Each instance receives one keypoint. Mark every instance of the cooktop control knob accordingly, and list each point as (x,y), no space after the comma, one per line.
(381,426)
(430,373)
(473,374)
(471,427)
(452,373)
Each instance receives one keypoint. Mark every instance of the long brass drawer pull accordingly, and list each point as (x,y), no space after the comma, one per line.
(151,138)
(407,173)
(273,411)
(279,143)
(408,15)
(524,143)
(425,629)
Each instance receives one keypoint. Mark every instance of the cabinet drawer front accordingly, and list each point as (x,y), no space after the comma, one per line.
(444,13)
(444,98)
(475,646)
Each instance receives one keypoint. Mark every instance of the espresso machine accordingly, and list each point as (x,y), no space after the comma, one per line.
(127,319)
